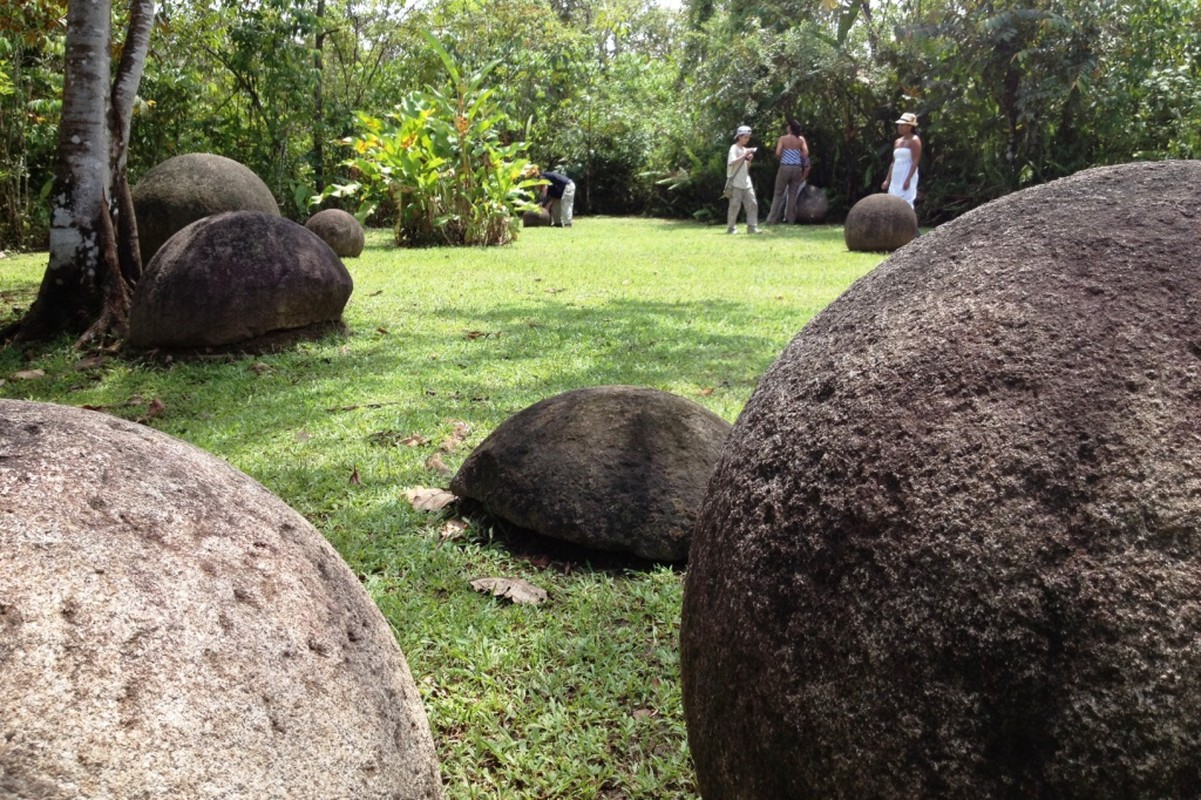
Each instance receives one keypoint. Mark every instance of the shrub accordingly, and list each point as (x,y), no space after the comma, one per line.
(447,162)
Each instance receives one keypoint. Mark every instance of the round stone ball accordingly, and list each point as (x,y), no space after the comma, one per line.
(169,628)
(880,223)
(812,204)
(612,468)
(340,230)
(953,546)
(536,219)
(233,278)
(185,188)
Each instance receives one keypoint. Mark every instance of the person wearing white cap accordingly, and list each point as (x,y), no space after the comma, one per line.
(906,153)
(738,181)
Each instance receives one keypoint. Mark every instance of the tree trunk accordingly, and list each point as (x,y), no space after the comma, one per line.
(93,235)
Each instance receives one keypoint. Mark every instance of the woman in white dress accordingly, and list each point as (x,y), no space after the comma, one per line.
(906,154)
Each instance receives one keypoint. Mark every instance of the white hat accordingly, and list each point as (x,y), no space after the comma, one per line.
(908,119)
(743,130)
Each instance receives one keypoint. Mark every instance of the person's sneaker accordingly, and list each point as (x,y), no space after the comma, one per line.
(731,230)
(755,230)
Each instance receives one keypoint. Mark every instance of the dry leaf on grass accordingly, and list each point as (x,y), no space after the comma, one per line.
(426,499)
(514,589)
(436,463)
(453,530)
(354,477)
(91,362)
(460,433)
(28,375)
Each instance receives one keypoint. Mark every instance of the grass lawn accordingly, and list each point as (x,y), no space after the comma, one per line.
(578,697)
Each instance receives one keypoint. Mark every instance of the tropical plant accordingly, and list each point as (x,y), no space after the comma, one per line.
(444,160)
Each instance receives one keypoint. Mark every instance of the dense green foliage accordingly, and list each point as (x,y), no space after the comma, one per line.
(637,101)
(578,697)
(442,165)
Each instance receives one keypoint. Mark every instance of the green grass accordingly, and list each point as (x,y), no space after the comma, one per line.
(578,697)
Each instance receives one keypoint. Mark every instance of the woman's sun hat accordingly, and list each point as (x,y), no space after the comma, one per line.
(908,119)
(743,130)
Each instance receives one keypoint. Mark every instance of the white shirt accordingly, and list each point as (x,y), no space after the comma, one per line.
(734,165)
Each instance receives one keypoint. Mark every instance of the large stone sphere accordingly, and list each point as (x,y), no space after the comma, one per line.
(169,628)
(185,188)
(236,277)
(953,546)
(340,230)
(613,468)
(880,223)
(812,204)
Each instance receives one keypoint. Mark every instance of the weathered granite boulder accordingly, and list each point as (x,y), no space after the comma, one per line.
(953,547)
(185,188)
(614,468)
(340,230)
(536,219)
(812,204)
(169,628)
(234,277)
(880,223)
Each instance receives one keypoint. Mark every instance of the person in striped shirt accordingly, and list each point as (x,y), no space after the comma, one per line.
(793,153)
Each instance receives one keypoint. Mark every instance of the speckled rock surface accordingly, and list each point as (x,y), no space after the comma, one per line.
(170,629)
(879,223)
(615,468)
(340,230)
(234,277)
(953,548)
(192,186)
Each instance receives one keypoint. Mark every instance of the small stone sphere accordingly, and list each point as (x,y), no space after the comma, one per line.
(340,230)
(536,219)
(812,204)
(880,223)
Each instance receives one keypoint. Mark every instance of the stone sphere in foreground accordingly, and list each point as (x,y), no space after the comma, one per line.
(880,223)
(340,230)
(236,277)
(169,628)
(812,204)
(185,188)
(953,546)
(613,468)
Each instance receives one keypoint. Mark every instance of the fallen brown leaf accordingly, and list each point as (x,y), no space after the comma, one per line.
(708,390)
(514,589)
(354,476)
(28,375)
(415,440)
(453,530)
(259,368)
(155,408)
(427,499)
(436,463)
(91,362)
